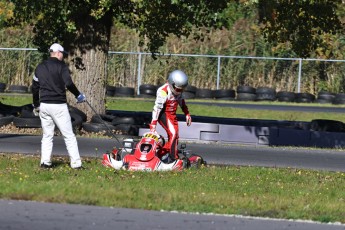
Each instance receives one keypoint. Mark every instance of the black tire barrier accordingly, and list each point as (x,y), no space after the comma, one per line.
(204,93)
(339,99)
(322,101)
(77,111)
(128,129)
(327,125)
(124,92)
(102,118)
(124,120)
(325,97)
(76,120)
(109,90)
(96,127)
(245,89)
(188,95)
(146,96)
(27,111)
(265,90)
(246,97)
(224,93)
(265,94)
(304,98)
(286,96)
(5,120)
(17,89)
(191,89)
(22,122)
(8,110)
(150,87)
(151,92)
(2,87)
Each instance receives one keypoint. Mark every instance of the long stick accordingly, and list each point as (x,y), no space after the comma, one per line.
(104,123)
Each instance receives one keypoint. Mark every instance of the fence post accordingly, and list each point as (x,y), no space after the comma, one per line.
(139,73)
(218,72)
(299,75)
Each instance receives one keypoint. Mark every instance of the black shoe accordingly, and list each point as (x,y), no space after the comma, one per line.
(44,166)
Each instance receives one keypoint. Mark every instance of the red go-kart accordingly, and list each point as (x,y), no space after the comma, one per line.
(149,154)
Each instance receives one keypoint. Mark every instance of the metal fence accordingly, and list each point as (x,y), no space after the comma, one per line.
(206,71)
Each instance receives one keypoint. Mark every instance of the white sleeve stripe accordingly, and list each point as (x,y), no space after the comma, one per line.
(35,78)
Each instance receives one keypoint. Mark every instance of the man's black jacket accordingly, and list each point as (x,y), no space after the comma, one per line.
(50,81)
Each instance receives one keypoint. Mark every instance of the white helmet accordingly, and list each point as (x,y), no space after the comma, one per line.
(177,80)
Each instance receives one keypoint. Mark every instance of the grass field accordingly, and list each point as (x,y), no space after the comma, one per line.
(255,191)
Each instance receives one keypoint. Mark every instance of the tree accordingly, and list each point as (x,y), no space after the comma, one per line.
(301,23)
(83,28)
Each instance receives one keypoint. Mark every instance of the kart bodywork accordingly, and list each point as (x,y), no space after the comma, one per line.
(149,154)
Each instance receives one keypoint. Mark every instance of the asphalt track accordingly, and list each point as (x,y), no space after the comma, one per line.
(17,215)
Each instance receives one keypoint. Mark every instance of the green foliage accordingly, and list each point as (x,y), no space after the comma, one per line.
(303,24)
(6,11)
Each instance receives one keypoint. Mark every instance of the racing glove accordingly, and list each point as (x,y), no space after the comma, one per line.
(153,126)
(81,98)
(188,120)
(36,111)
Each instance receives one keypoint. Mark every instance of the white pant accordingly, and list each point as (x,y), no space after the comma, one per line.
(57,114)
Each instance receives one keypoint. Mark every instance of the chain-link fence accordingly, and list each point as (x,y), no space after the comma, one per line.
(131,69)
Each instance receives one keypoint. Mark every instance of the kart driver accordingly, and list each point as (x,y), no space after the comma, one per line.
(169,96)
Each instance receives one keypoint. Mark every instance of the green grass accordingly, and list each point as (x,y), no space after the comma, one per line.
(254,191)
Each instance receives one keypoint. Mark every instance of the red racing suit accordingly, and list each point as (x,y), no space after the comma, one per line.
(164,111)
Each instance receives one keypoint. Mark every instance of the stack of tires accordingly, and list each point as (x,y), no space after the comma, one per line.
(224,94)
(147,91)
(245,93)
(124,92)
(324,97)
(286,96)
(304,98)
(265,94)
(2,87)
(339,99)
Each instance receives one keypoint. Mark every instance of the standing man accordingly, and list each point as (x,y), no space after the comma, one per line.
(49,84)
(169,96)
